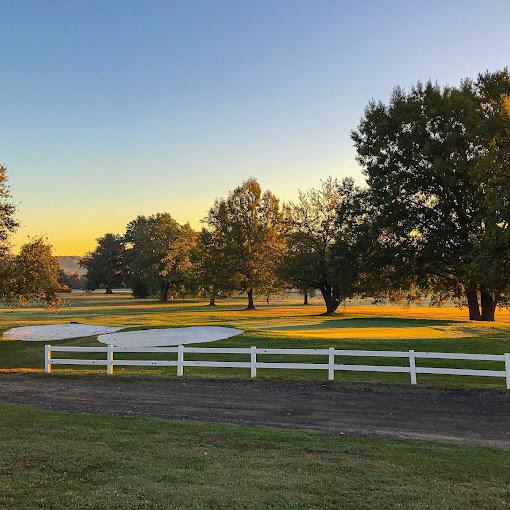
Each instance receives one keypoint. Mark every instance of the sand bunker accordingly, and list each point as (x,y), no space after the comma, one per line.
(56,332)
(168,336)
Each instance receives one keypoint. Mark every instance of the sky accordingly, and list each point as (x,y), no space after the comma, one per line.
(119,108)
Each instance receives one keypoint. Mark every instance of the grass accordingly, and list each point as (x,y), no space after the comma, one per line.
(281,324)
(55,460)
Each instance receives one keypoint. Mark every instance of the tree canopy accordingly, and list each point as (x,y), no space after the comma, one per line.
(8,223)
(32,275)
(248,229)
(105,265)
(215,275)
(437,164)
(158,255)
(319,255)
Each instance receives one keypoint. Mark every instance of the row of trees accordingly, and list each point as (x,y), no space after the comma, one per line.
(252,244)
(432,221)
(153,257)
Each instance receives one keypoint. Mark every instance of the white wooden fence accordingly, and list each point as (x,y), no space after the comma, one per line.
(253,364)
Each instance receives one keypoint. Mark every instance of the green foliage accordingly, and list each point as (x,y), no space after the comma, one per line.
(437,163)
(71,281)
(248,232)
(32,275)
(158,255)
(8,224)
(319,254)
(214,276)
(104,265)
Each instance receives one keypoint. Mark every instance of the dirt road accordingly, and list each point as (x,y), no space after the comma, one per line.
(462,416)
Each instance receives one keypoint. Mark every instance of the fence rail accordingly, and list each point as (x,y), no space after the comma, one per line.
(254,363)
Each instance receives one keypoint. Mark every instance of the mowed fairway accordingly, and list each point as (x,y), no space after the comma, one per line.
(284,317)
(284,323)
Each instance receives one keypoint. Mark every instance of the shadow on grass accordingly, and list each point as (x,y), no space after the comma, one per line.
(368,322)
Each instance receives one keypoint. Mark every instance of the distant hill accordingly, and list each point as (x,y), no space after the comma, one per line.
(70,264)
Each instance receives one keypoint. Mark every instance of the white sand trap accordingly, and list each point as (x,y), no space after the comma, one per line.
(169,336)
(56,332)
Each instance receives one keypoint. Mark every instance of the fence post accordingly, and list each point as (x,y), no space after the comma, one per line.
(331,364)
(47,359)
(180,361)
(109,360)
(507,369)
(412,366)
(253,362)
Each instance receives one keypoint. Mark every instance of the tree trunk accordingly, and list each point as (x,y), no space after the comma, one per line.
(165,288)
(212,299)
(305,298)
(472,299)
(488,306)
(328,300)
(109,290)
(251,304)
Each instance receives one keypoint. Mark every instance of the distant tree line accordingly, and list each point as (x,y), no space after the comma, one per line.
(432,221)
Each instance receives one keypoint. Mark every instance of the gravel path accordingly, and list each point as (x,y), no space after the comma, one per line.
(459,416)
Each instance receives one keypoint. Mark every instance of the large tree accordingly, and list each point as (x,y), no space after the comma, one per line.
(249,231)
(158,255)
(319,254)
(437,163)
(105,265)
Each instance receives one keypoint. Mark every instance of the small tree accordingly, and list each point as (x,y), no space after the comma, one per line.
(249,233)
(306,292)
(105,265)
(32,275)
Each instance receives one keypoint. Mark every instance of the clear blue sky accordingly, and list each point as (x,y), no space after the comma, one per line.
(114,108)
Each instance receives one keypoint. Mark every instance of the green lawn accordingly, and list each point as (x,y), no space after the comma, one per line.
(282,324)
(55,460)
